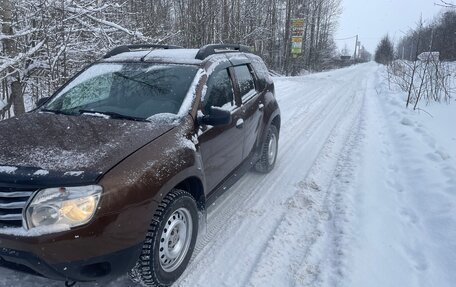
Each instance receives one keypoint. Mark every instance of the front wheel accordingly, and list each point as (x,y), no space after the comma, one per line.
(169,242)
(268,151)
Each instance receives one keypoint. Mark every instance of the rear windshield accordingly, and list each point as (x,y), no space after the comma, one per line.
(136,90)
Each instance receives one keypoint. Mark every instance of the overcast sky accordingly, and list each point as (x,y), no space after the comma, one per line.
(372,19)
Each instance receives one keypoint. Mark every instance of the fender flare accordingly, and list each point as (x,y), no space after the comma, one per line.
(264,133)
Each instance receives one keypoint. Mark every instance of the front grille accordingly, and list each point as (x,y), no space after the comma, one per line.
(12,203)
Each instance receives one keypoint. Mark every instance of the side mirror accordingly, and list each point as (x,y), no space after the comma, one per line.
(42,101)
(216,117)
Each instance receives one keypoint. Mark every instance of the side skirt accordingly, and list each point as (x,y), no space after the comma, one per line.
(232,178)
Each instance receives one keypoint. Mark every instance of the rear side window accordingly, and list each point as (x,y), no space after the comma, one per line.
(219,91)
(262,72)
(245,80)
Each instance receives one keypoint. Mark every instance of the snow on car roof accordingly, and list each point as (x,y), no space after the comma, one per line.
(184,56)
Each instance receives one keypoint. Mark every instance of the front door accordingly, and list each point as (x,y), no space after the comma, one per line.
(221,147)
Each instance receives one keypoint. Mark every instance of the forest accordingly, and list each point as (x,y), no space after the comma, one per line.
(438,35)
(421,65)
(45,42)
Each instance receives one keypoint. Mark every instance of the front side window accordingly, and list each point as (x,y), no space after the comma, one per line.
(245,80)
(219,91)
(136,90)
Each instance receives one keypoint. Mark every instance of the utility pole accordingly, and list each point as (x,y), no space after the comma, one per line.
(432,40)
(356,47)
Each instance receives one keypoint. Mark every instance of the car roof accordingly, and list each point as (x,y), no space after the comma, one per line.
(157,53)
(178,56)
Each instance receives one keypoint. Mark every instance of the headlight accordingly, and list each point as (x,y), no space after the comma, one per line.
(72,206)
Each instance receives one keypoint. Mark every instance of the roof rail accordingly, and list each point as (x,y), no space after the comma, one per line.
(128,48)
(211,49)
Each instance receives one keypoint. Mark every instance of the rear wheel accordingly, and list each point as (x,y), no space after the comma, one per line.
(169,242)
(268,151)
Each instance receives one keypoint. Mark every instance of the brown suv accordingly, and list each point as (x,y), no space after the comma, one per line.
(113,173)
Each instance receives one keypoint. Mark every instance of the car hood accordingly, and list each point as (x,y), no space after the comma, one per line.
(39,146)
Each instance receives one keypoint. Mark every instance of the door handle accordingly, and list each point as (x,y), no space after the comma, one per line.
(261,107)
(240,123)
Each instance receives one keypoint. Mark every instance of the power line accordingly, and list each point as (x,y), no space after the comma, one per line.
(348,38)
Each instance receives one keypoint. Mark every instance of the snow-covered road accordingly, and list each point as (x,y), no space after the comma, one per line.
(362,195)
(262,233)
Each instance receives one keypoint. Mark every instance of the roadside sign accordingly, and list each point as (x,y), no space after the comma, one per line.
(297,27)
(297,33)
(296,45)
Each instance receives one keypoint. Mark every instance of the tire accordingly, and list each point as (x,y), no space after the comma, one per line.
(269,151)
(169,242)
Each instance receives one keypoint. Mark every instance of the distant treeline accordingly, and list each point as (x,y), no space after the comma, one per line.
(439,36)
(261,24)
(44,42)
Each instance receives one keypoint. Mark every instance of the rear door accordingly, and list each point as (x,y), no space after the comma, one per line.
(252,105)
(221,147)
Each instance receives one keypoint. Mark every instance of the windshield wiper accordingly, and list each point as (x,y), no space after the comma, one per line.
(113,115)
(118,74)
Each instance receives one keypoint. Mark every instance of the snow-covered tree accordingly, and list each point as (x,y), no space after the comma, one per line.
(447,3)
(364,55)
(440,32)
(384,53)
(11,57)
(44,42)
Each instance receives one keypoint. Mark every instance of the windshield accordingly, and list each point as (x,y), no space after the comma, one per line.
(129,90)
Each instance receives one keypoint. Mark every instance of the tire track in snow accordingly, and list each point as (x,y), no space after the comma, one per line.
(310,202)
(257,206)
(250,187)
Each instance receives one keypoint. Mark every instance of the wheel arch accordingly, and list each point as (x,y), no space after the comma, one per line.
(194,186)
(191,180)
(275,120)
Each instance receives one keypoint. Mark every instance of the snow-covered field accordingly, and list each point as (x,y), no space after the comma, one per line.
(363,194)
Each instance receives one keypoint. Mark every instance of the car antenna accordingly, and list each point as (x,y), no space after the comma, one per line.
(154,47)
(144,57)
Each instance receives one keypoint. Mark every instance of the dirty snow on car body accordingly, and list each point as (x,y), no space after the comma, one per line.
(363,194)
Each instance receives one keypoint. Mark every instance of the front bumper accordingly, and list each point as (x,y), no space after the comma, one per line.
(103,268)
(106,248)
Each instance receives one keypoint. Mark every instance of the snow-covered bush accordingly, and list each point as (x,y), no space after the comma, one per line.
(430,80)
